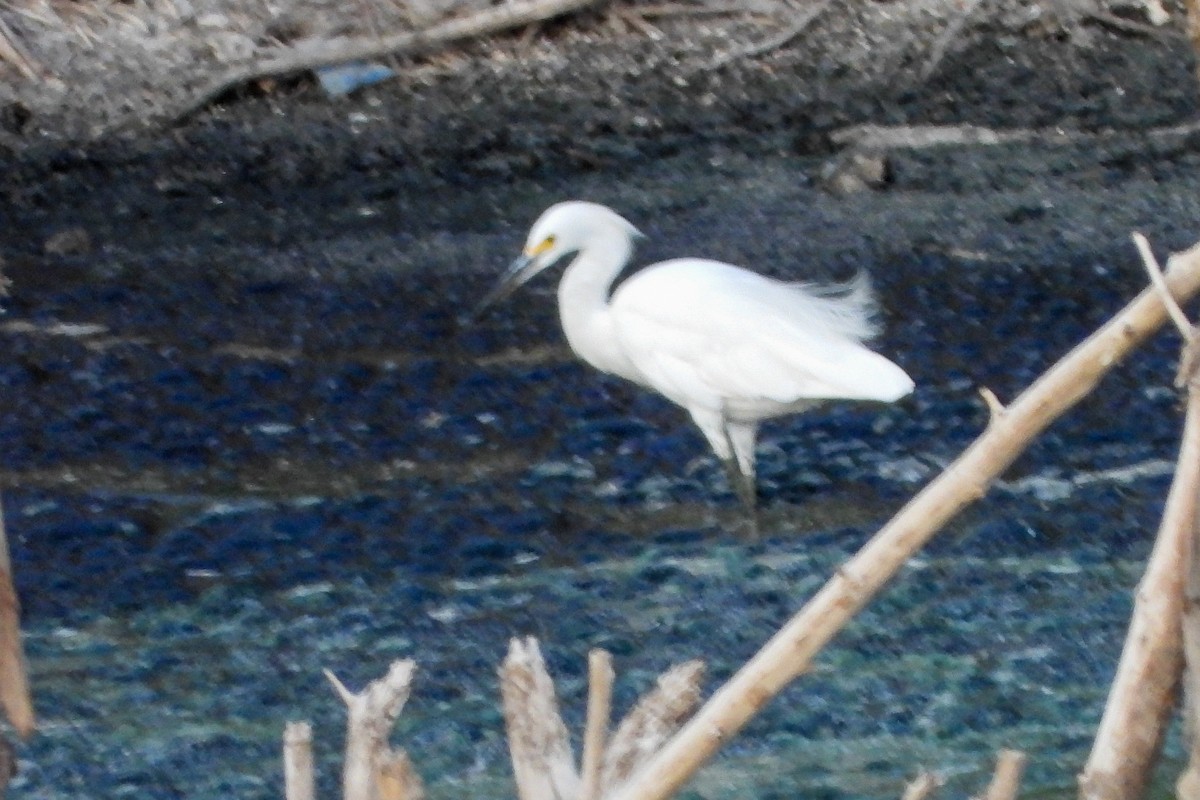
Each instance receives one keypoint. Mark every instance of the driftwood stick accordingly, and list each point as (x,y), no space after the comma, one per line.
(1143,693)
(14,680)
(371,714)
(790,652)
(543,765)
(599,709)
(298,778)
(309,54)
(919,137)
(1006,779)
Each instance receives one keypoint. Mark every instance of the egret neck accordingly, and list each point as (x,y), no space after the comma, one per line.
(583,296)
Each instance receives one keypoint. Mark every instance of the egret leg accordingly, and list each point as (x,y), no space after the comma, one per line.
(740,440)
(733,442)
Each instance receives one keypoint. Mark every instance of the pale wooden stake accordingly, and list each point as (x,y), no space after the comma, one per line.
(370,717)
(1006,780)
(543,765)
(599,709)
(1142,696)
(14,681)
(298,781)
(790,652)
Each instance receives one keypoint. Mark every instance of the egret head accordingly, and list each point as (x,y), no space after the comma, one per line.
(561,230)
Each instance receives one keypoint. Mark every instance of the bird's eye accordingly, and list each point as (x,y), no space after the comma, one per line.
(536,250)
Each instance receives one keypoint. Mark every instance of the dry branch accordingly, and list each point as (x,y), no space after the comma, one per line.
(655,718)
(790,652)
(543,765)
(1142,696)
(371,714)
(919,137)
(314,54)
(1188,785)
(1006,779)
(14,683)
(298,778)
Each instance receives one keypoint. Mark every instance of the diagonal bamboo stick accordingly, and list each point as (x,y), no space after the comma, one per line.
(790,652)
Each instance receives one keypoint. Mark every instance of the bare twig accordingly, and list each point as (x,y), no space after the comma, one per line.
(688,10)
(600,681)
(1143,692)
(771,43)
(952,31)
(1006,779)
(308,54)
(995,407)
(789,653)
(1160,284)
(298,780)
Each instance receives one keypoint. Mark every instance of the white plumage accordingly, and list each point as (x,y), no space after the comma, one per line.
(731,346)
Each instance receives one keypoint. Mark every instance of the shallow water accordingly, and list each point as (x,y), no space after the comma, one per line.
(243,446)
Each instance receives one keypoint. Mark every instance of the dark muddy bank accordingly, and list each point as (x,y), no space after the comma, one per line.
(244,436)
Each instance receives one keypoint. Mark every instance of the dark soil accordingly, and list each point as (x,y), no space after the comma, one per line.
(246,434)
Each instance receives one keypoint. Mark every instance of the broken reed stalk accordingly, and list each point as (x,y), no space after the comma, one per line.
(790,651)
(1142,696)
(298,779)
(1006,779)
(14,681)
(371,714)
(538,743)
(651,723)
(599,710)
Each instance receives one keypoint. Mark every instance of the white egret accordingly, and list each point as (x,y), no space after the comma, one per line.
(731,346)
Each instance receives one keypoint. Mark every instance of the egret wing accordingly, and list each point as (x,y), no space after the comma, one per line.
(704,331)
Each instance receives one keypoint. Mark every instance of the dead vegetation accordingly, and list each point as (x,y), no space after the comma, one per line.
(79,71)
